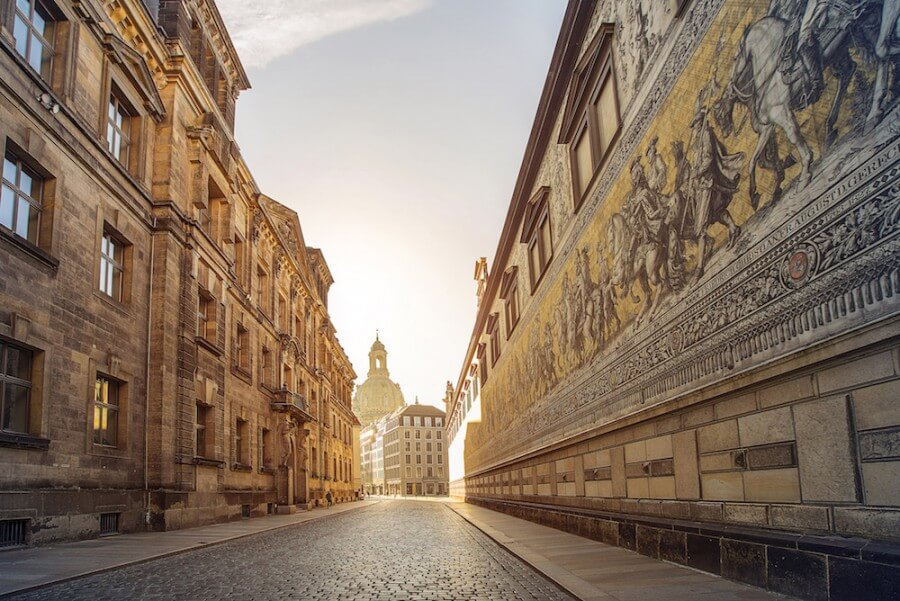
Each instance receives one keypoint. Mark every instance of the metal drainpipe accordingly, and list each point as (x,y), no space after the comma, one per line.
(147,379)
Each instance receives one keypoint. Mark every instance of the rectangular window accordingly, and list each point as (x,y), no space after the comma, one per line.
(439,435)
(263,447)
(240,259)
(439,422)
(512,308)
(407,459)
(418,459)
(242,348)
(241,441)
(494,333)
(582,160)
(418,434)
(15,388)
(201,437)
(418,446)
(106,412)
(33,29)
(283,315)
(536,234)
(265,366)
(417,421)
(440,447)
(112,266)
(20,199)
(440,458)
(430,472)
(428,434)
(607,116)
(262,290)
(206,315)
(118,129)
(428,447)
(406,434)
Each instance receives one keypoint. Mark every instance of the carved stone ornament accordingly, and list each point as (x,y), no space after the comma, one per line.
(256,221)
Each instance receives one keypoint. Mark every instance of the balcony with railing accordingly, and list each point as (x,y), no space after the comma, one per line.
(288,400)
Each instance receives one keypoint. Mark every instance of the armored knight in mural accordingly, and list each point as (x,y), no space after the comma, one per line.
(715,174)
(657,172)
(780,68)
(639,240)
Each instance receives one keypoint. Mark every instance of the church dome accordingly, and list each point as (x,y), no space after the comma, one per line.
(378,395)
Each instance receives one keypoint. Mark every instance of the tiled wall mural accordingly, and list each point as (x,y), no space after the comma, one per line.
(750,208)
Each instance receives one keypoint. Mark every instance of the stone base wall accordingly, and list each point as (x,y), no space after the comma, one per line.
(172,510)
(784,478)
(65,515)
(814,567)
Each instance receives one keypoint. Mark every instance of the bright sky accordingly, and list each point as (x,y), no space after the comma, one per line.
(395,128)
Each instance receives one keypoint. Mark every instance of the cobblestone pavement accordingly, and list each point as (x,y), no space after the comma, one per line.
(391,551)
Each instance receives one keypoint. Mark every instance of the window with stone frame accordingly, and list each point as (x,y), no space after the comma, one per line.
(112,264)
(21,198)
(203,428)
(120,125)
(34,34)
(206,315)
(267,367)
(262,289)
(264,447)
(284,315)
(212,212)
(591,118)
(107,404)
(509,293)
(493,331)
(537,237)
(16,364)
(242,348)
(482,363)
(240,260)
(241,448)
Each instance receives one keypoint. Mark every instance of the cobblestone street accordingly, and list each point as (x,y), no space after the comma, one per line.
(390,551)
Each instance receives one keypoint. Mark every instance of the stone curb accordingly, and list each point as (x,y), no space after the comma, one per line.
(124,564)
(564,579)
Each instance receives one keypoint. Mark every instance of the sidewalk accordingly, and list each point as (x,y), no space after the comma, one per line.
(593,571)
(24,569)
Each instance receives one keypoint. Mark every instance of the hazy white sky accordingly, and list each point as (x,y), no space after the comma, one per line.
(395,128)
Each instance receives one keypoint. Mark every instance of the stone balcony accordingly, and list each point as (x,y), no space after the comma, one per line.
(294,402)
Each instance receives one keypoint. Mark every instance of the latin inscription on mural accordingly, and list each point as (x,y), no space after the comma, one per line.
(760,203)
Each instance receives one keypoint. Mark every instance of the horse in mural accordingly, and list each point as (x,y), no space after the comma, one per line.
(635,261)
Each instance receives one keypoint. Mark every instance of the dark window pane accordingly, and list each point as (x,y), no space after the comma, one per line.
(18,363)
(15,408)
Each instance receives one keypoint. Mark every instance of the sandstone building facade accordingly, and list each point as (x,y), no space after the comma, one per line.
(166,353)
(687,344)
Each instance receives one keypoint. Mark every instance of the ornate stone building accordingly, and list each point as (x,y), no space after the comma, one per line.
(688,341)
(405,453)
(378,395)
(166,353)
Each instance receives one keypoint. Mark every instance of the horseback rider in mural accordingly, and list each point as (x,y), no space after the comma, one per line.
(715,175)
(780,67)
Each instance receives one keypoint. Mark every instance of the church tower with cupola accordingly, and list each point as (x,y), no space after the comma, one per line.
(378,395)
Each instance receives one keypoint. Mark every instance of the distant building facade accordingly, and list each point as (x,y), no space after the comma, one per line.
(691,320)
(167,357)
(378,395)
